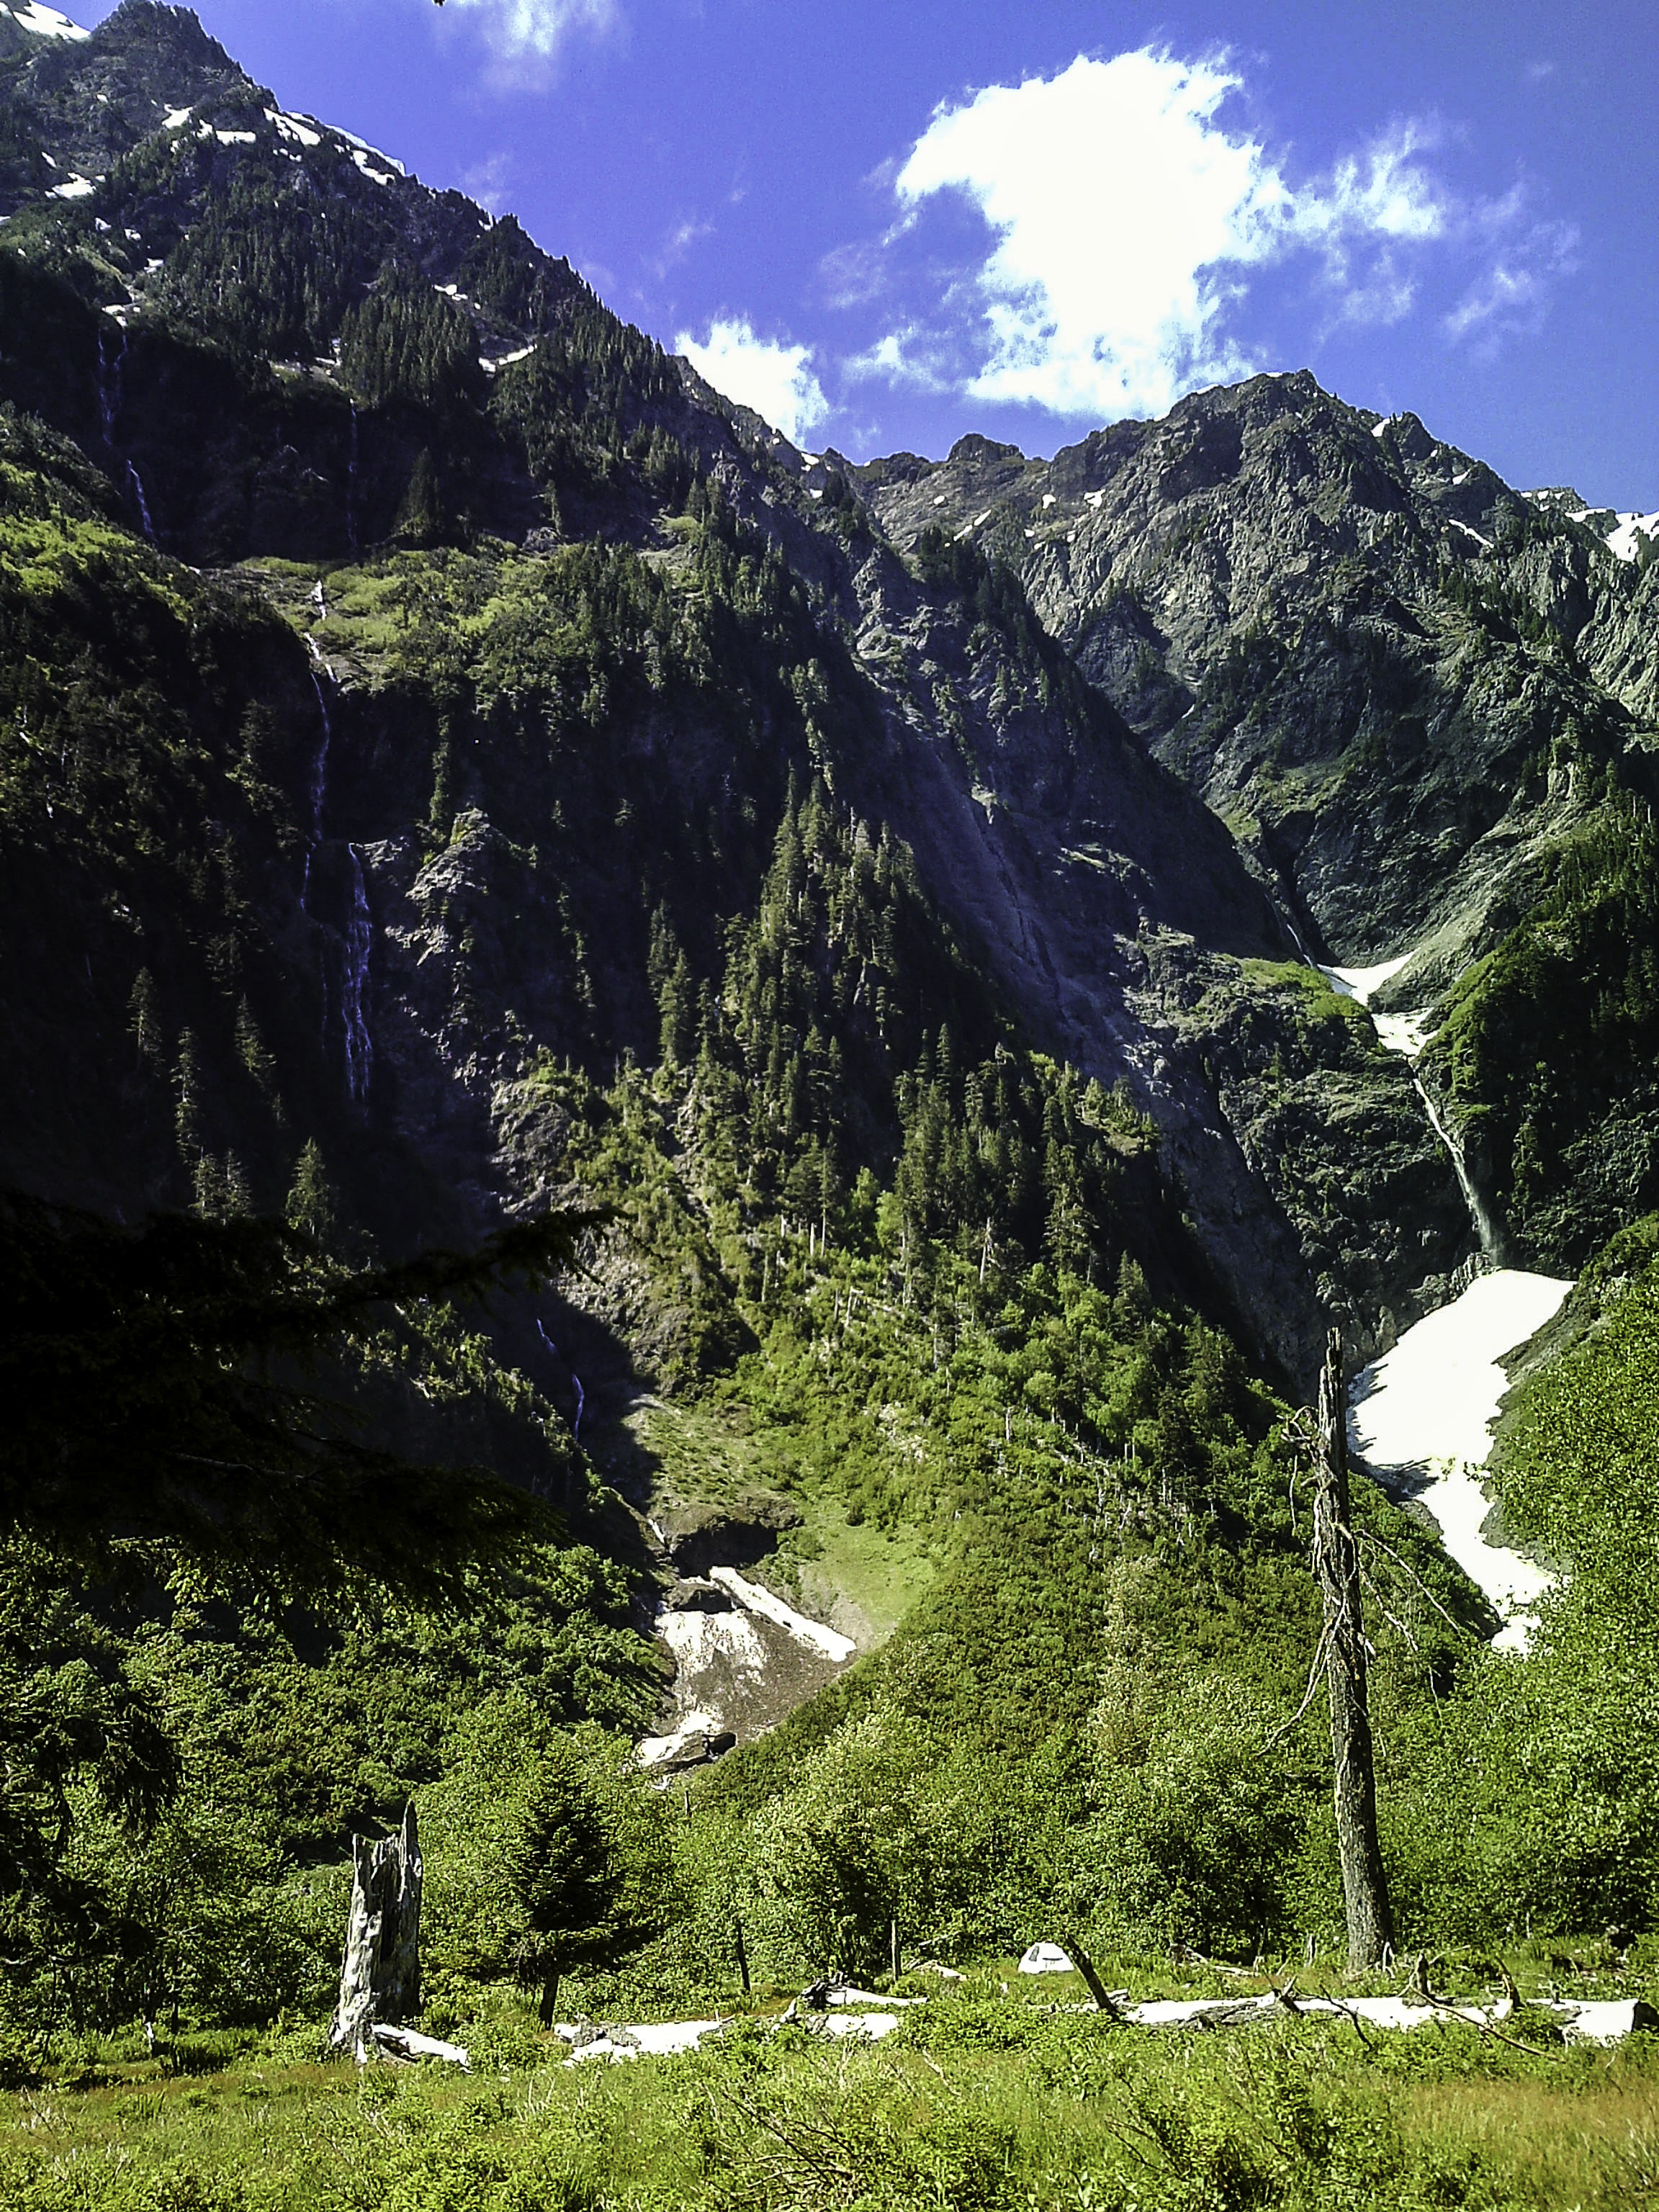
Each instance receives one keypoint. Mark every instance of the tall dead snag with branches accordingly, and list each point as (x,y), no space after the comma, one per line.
(1336,1569)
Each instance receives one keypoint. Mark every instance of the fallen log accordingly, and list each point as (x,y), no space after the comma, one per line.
(405,2043)
(1592,2020)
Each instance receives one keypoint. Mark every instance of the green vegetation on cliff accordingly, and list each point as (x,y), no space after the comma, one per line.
(1550,1043)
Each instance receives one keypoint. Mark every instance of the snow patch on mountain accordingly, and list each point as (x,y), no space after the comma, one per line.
(363,146)
(1628,535)
(1360,983)
(757,1599)
(45,22)
(294,127)
(1425,1410)
(1623,532)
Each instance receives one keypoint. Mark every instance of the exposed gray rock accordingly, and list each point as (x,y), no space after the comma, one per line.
(738,1534)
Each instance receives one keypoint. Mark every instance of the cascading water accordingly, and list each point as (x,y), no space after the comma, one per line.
(1406,1035)
(581,1395)
(318,771)
(1423,1414)
(109,380)
(351,483)
(137,484)
(359,924)
(109,360)
(360,936)
(1485,1229)
(319,765)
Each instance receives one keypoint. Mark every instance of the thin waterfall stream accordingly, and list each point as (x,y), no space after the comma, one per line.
(359,935)
(319,791)
(109,380)
(111,361)
(137,483)
(360,938)
(1422,1414)
(351,483)
(1484,1227)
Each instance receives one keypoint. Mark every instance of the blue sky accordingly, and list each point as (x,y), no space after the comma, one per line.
(887,221)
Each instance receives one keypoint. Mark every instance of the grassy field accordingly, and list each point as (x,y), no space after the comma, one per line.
(984,2099)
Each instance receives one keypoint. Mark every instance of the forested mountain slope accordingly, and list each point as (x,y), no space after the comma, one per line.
(276,347)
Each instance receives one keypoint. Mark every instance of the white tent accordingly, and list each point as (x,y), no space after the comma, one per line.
(1045,1959)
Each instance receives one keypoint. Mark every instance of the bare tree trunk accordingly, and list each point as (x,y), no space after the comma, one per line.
(1092,1983)
(1336,1569)
(380,1971)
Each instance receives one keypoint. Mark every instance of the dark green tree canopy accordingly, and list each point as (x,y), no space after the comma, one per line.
(183,1382)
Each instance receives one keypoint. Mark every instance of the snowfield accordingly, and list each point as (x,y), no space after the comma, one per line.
(46,23)
(1360,983)
(1428,1407)
(812,1633)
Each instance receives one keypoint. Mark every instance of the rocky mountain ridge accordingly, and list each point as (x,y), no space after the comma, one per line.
(1261,582)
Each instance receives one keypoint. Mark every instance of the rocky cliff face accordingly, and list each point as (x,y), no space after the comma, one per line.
(1407,689)
(1358,643)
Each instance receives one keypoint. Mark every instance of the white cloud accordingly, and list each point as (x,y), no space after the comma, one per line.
(776,380)
(532,32)
(895,360)
(679,242)
(1117,201)
(1511,298)
(489,181)
(1131,216)
(1374,207)
(1386,192)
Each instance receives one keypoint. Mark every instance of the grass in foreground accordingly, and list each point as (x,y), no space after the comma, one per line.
(980,2102)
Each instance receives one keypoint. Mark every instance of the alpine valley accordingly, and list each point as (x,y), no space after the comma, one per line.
(681,1124)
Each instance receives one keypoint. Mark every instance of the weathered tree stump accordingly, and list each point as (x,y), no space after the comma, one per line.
(380,1971)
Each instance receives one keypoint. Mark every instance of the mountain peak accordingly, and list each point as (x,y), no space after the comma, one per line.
(86,99)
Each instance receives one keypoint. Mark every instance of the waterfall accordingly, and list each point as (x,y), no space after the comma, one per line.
(320,766)
(359,935)
(1492,1243)
(109,381)
(581,1395)
(109,407)
(1406,1035)
(1422,1414)
(318,794)
(351,483)
(360,925)
(137,484)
